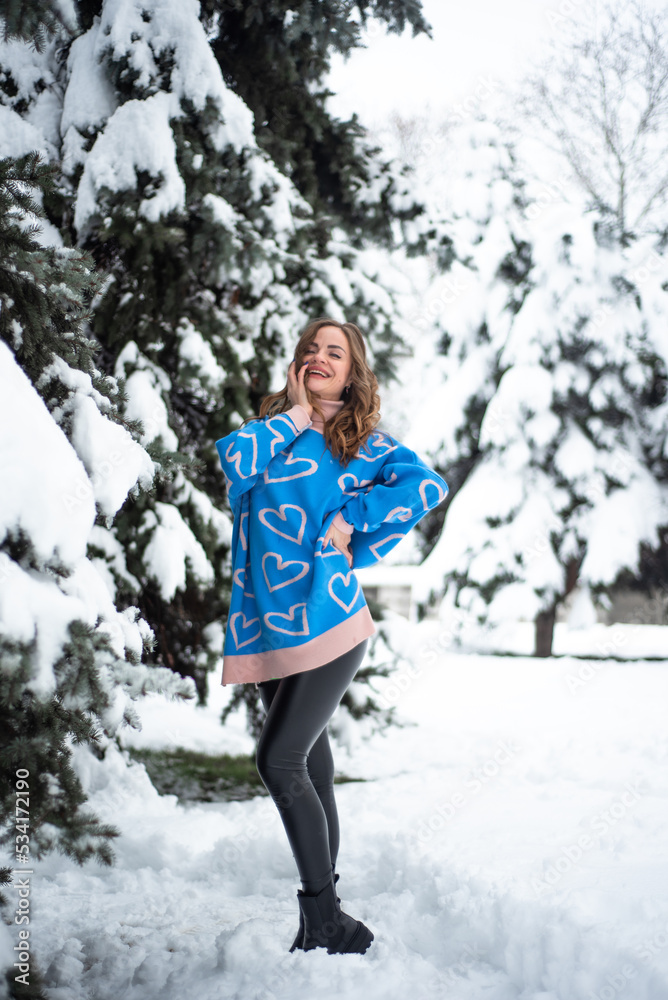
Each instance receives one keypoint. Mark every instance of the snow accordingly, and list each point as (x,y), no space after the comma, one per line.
(114,461)
(145,385)
(37,502)
(582,613)
(523,389)
(576,456)
(51,500)
(509,842)
(19,137)
(111,560)
(137,137)
(25,65)
(221,211)
(33,96)
(263,177)
(35,611)
(172,549)
(145,32)
(89,99)
(628,516)
(145,403)
(184,491)
(196,352)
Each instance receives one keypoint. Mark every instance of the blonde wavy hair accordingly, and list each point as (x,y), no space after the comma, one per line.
(350,428)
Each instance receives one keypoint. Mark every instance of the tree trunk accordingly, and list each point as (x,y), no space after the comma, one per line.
(544,632)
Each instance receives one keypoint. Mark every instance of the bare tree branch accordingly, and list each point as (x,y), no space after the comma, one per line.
(600,101)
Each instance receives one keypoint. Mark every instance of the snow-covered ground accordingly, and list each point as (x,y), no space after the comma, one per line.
(509,843)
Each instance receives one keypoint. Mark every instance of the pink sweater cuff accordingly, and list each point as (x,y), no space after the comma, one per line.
(340,523)
(299,417)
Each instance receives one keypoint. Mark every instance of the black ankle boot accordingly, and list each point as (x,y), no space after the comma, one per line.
(298,941)
(327,926)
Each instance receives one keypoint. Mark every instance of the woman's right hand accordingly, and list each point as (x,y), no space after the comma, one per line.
(341,541)
(297,389)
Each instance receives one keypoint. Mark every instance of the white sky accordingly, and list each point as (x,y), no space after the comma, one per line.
(472,42)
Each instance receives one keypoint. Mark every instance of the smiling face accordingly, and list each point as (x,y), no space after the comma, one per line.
(329,362)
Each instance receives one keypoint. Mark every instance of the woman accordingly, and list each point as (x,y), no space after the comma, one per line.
(315,491)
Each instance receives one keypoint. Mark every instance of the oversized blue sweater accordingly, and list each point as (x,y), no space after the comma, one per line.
(295,604)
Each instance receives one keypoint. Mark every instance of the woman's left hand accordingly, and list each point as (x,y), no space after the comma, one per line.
(341,541)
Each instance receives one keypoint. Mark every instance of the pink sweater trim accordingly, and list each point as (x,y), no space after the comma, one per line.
(299,417)
(315,653)
(341,523)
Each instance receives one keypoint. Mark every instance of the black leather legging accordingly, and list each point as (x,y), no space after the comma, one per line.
(294,760)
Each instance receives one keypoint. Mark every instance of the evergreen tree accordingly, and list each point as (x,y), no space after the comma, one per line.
(70,661)
(576,434)
(552,391)
(218,238)
(275,54)
(467,288)
(36,21)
